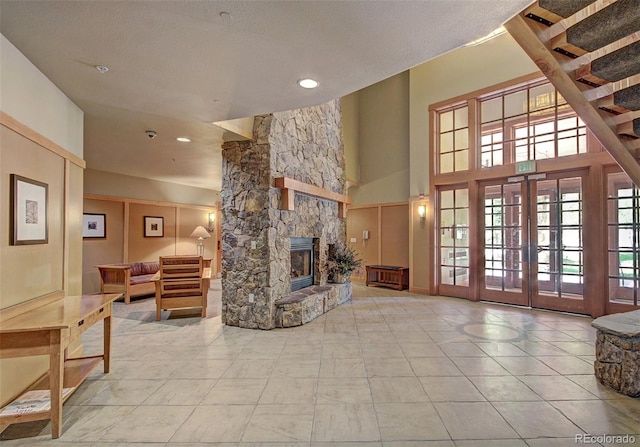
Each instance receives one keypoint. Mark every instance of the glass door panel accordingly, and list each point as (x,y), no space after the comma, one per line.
(503,271)
(533,243)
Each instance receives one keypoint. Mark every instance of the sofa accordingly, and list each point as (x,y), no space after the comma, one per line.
(133,279)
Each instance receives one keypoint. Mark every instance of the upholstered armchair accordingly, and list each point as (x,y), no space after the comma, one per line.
(181,282)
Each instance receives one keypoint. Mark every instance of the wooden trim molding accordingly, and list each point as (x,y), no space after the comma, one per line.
(290,186)
(146,202)
(11,123)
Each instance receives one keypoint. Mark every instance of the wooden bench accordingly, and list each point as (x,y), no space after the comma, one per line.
(617,362)
(388,276)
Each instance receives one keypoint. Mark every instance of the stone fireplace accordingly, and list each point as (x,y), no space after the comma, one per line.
(259,239)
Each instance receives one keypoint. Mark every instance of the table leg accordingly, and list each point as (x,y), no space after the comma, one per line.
(107,343)
(56,381)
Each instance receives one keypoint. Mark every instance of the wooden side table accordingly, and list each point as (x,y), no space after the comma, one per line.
(48,330)
(388,276)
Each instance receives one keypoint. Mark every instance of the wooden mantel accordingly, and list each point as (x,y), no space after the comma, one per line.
(290,186)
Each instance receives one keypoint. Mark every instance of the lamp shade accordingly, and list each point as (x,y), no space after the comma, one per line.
(200,232)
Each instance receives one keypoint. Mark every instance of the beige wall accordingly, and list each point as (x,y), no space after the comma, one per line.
(388,242)
(383,140)
(34,109)
(32,99)
(117,185)
(350,105)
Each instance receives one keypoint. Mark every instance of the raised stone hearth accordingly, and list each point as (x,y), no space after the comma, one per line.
(307,304)
(304,145)
(617,362)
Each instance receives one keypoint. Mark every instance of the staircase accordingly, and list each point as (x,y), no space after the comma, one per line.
(590,51)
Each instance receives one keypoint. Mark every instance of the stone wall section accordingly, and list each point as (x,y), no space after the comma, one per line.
(303,144)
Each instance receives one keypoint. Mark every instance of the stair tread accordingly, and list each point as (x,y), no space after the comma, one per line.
(629,98)
(608,25)
(618,65)
(564,8)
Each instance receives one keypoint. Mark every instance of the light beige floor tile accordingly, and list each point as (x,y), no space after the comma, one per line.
(550,335)
(125,392)
(341,351)
(180,392)
(87,423)
(501,350)
(567,364)
(381,350)
(410,421)
(345,422)
(504,389)
(300,367)
(388,367)
(450,389)
(492,443)
(522,366)
(345,444)
(553,442)
(263,351)
(590,383)
(280,423)
(462,350)
(249,369)
(536,348)
(235,391)
(214,423)
(576,347)
(397,389)
(598,417)
(159,422)
(332,367)
(536,420)
(289,390)
(447,336)
(418,444)
(203,369)
(479,366)
(348,390)
(556,388)
(474,420)
(425,349)
(434,367)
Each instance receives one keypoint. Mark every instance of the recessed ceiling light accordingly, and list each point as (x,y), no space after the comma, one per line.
(102,68)
(183,139)
(308,83)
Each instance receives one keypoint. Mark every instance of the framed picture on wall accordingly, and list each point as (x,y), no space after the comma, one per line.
(153,226)
(28,211)
(94,226)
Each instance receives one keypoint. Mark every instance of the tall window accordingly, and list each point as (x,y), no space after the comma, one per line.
(453,128)
(528,123)
(624,240)
(454,236)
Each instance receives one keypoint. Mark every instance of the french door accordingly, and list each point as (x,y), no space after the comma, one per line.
(531,248)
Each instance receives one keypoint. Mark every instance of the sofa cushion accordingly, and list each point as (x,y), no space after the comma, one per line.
(136,269)
(139,279)
(150,267)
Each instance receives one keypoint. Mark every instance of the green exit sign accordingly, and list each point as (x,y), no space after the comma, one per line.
(526,167)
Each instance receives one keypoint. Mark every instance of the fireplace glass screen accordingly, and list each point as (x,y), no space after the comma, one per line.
(301,263)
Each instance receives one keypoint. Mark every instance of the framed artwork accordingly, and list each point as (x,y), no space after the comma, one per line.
(28,211)
(94,226)
(153,226)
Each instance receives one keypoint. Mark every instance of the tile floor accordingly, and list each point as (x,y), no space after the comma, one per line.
(388,369)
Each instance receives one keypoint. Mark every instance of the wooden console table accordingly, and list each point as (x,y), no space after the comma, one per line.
(48,330)
(388,276)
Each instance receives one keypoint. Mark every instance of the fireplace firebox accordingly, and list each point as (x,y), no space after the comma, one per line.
(301,262)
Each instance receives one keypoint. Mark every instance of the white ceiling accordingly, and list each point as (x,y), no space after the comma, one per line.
(176,66)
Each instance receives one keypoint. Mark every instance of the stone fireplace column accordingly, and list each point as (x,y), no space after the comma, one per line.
(305,145)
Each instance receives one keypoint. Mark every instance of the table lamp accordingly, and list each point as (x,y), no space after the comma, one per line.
(201,233)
